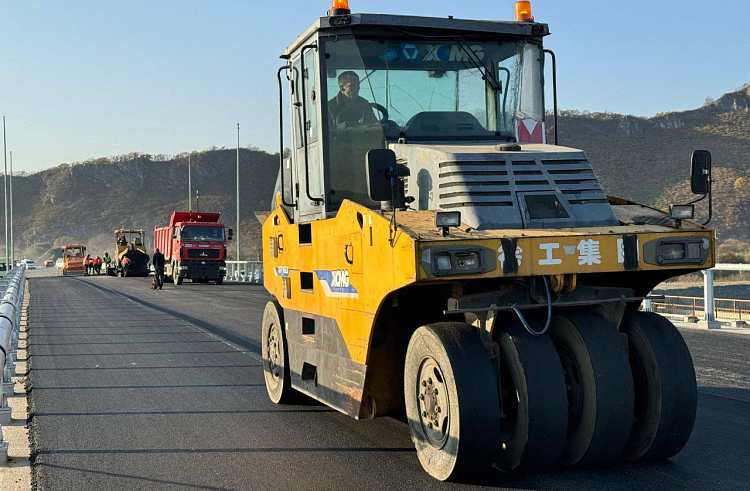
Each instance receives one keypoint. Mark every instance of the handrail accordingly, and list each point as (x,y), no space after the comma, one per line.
(245,271)
(12,286)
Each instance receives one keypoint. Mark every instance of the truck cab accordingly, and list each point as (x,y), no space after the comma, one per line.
(194,247)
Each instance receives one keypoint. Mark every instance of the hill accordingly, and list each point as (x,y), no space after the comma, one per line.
(87,201)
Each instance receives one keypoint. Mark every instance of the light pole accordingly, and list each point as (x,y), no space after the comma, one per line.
(10,185)
(190,189)
(237,235)
(5,192)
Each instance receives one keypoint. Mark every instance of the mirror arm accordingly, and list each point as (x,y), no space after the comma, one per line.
(710,204)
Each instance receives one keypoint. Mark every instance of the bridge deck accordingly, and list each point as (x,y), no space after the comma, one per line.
(139,389)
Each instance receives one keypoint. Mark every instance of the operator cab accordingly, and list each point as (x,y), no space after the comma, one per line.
(369,81)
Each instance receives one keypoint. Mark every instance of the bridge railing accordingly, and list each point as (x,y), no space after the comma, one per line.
(12,287)
(245,271)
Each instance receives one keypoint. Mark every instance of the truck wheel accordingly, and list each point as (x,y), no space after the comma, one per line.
(176,278)
(450,392)
(666,394)
(599,385)
(219,280)
(274,350)
(533,398)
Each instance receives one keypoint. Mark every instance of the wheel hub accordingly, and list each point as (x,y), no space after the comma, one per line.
(433,403)
(273,352)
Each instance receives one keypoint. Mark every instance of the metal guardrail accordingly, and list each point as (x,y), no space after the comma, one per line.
(725,309)
(12,286)
(245,271)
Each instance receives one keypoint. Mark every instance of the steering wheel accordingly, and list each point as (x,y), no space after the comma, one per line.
(383,111)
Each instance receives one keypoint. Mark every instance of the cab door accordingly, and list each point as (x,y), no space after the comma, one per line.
(309,189)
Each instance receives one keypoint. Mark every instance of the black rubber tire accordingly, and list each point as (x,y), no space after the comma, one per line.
(275,354)
(219,280)
(176,278)
(534,401)
(600,387)
(467,411)
(666,393)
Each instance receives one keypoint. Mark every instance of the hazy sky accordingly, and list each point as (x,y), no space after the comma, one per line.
(83,79)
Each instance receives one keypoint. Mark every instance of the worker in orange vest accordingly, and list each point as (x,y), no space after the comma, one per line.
(125,265)
(98,265)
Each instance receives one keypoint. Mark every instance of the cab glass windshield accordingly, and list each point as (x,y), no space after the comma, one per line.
(382,91)
(203,233)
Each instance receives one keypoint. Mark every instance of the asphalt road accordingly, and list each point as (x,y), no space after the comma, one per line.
(137,389)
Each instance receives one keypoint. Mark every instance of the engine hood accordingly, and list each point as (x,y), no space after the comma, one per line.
(538,186)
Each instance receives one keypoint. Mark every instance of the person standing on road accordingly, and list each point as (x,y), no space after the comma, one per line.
(158,261)
(106,260)
(98,265)
(125,265)
(88,265)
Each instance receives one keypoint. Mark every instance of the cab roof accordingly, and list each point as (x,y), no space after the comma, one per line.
(455,26)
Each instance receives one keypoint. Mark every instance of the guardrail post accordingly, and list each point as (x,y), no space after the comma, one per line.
(647,304)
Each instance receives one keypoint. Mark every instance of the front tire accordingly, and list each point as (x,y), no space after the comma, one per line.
(666,393)
(450,392)
(176,278)
(600,387)
(275,353)
(534,400)
(219,280)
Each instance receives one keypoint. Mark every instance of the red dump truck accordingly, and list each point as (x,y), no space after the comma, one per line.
(194,246)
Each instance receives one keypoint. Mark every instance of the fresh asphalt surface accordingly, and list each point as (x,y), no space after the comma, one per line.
(136,389)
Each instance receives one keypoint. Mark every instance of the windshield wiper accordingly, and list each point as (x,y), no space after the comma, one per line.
(488,76)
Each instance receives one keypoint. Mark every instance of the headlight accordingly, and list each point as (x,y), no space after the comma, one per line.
(183,267)
(673,252)
(222,268)
(443,262)
(694,250)
(467,261)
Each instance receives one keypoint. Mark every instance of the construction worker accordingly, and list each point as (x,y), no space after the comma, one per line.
(158,262)
(98,265)
(88,264)
(125,265)
(106,260)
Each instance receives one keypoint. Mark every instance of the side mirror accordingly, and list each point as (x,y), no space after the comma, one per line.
(700,171)
(379,163)
(230,234)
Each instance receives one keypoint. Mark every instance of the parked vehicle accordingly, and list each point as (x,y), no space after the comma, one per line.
(30,264)
(194,246)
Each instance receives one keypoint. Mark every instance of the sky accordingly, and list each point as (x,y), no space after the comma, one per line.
(87,79)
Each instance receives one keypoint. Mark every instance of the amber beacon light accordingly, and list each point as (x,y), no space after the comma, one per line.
(523,10)
(339,7)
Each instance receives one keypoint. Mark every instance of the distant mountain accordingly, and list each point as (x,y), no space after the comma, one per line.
(643,159)
(85,202)
(648,159)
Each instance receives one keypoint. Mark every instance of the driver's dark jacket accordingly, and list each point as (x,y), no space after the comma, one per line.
(344,110)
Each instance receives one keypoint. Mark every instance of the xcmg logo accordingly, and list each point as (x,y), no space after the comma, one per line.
(336,283)
(340,278)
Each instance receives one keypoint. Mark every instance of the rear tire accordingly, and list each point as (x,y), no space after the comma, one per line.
(275,353)
(666,393)
(600,387)
(450,392)
(219,280)
(534,399)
